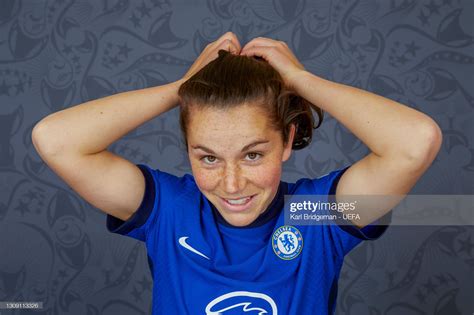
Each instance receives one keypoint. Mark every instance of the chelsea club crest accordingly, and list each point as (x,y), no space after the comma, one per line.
(287,242)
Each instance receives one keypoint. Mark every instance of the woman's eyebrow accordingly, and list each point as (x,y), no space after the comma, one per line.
(245,148)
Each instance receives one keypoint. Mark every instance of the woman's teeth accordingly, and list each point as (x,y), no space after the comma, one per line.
(238,201)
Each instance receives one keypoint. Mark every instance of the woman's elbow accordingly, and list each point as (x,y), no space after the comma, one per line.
(429,144)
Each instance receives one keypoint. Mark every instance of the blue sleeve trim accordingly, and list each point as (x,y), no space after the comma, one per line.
(368,232)
(116,225)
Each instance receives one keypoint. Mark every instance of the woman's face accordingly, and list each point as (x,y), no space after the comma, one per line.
(236,155)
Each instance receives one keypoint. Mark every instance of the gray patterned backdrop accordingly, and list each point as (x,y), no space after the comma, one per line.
(56,54)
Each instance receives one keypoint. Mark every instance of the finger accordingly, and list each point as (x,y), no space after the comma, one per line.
(280,46)
(267,52)
(261,41)
(259,51)
(229,46)
(247,48)
(233,38)
(236,42)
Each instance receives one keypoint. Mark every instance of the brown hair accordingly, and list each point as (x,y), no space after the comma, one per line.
(232,80)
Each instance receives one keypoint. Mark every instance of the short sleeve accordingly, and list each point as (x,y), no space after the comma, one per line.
(161,189)
(345,235)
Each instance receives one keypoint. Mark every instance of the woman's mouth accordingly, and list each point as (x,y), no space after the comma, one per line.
(240,204)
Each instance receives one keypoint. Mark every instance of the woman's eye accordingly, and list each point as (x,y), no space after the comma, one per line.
(209,159)
(253,156)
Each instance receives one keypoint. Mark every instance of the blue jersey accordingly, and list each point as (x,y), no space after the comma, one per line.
(202,265)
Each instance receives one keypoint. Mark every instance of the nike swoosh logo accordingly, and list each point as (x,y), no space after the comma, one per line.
(182,242)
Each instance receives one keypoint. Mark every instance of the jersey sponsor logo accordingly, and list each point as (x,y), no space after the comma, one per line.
(182,242)
(287,242)
(242,302)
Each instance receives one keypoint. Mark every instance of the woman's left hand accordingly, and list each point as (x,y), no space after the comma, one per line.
(278,55)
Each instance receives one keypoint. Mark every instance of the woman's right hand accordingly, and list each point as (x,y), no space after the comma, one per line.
(228,41)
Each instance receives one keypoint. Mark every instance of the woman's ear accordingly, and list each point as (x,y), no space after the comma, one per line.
(289,144)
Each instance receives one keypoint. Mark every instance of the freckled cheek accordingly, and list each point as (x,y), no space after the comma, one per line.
(206,180)
(203,177)
(267,177)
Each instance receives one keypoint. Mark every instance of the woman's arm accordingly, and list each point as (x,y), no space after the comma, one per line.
(73,143)
(92,126)
(388,128)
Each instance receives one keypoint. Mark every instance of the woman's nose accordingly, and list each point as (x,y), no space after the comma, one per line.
(233,180)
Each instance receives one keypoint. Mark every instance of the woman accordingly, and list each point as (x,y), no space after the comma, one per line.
(217,242)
